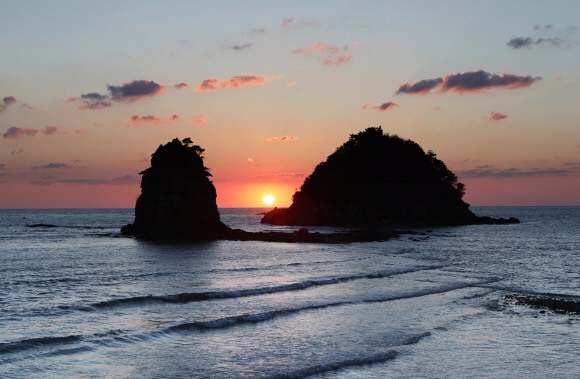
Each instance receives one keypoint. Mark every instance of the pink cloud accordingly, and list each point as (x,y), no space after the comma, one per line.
(79,131)
(287,22)
(208,85)
(496,116)
(282,139)
(9,100)
(291,84)
(14,132)
(389,106)
(198,119)
(331,54)
(235,82)
(319,46)
(52,130)
(150,119)
(181,85)
(330,60)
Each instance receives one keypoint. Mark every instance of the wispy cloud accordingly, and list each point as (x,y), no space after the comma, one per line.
(328,55)
(52,130)
(51,166)
(150,119)
(491,172)
(258,31)
(528,42)
(19,151)
(15,132)
(282,139)
(181,85)
(389,106)
(422,87)
(6,102)
(471,81)
(336,60)
(496,116)
(9,100)
(240,47)
(542,28)
(41,183)
(235,82)
(123,180)
(280,177)
(198,119)
(289,23)
(291,84)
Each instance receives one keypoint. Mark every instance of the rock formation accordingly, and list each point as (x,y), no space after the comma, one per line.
(377,178)
(177,201)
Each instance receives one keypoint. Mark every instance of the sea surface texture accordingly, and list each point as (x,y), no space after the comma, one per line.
(79,301)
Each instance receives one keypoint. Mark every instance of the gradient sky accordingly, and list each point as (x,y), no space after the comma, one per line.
(89,90)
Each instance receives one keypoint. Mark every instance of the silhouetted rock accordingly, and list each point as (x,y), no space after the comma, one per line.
(376,178)
(177,201)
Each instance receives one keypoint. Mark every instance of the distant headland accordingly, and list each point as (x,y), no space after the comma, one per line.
(374,182)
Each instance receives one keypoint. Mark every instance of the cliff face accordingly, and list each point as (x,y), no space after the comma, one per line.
(377,178)
(177,201)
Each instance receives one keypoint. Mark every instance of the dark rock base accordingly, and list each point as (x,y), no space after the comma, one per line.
(557,305)
(302,235)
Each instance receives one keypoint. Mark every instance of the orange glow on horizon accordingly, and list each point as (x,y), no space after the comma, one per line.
(251,195)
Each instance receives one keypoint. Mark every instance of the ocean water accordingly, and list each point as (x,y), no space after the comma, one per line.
(79,301)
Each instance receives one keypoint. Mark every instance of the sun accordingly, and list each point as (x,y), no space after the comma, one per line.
(268,199)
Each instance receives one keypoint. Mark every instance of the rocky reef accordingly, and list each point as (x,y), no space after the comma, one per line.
(377,178)
(177,201)
(556,304)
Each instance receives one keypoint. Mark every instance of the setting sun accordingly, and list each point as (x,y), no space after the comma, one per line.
(268,199)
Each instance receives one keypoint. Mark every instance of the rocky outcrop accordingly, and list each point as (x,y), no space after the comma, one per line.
(375,178)
(177,201)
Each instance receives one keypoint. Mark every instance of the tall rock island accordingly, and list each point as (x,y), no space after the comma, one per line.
(377,178)
(177,201)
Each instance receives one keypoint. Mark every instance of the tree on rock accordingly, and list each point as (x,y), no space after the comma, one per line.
(377,178)
(177,201)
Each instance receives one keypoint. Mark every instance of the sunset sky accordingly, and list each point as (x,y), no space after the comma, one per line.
(89,90)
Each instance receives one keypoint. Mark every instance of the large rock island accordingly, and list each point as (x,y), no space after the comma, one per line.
(177,201)
(376,178)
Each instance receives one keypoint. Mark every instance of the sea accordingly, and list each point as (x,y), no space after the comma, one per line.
(77,300)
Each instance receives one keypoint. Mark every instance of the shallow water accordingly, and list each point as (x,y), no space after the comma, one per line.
(77,300)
